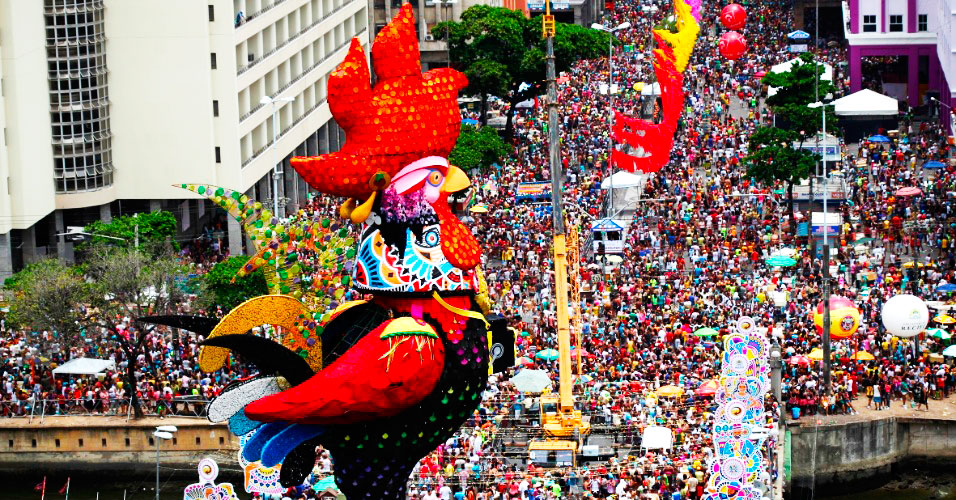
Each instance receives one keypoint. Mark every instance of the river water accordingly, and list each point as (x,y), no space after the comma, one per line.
(910,484)
(86,487)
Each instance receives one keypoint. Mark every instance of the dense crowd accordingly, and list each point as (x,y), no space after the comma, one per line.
(695,245)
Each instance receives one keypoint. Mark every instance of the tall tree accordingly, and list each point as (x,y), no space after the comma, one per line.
(499,50)
(772,154)
(155,230)
(221,288)
(114,283)
(772,158)
(478,148)
(795,91)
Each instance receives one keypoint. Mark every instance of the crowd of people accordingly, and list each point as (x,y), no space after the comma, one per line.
(696,241)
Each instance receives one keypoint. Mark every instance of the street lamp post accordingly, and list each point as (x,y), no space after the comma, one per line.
(610,96)
(275,139)
(162,432)
(826,253)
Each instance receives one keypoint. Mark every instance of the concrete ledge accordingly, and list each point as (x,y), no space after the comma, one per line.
(845,452)
(108,444)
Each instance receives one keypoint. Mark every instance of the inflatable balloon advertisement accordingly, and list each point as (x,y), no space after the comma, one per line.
(905,315)
(844,317)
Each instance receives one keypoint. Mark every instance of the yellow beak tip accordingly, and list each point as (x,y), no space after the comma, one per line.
(455,180)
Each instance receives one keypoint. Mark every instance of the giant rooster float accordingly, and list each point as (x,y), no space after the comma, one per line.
(379,382)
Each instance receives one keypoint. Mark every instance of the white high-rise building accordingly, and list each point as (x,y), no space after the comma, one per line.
(105,104)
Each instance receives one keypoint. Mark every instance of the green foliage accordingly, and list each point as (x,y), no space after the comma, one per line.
(498,49)
(478,148)
(48,295)
(155,230)
(795,92)
(773,158)
(218,289)
(24,274)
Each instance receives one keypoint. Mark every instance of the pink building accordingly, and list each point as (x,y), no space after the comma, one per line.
(902,48)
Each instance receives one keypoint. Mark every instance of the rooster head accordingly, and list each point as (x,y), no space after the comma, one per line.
(406,116)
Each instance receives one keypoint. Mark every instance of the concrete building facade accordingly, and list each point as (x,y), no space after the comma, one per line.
(916,34)
(106,104)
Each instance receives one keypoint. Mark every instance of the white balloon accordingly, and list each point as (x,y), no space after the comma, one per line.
(905,315)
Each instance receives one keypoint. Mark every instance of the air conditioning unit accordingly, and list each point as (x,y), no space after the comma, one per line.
(429,37)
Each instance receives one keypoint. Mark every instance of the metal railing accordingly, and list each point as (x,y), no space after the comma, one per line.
(250,17)
(288,40)
(181,406)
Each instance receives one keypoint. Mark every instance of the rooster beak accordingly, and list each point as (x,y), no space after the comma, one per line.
(455,180)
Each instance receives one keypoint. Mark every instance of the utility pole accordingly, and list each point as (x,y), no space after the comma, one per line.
(826,262)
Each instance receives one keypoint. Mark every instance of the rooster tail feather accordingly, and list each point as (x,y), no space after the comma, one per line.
(269,356)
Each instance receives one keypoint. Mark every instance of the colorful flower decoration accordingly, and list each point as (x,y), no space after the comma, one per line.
(744,381)
(206,488)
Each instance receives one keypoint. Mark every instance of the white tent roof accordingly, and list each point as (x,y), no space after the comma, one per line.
(657,438)
(84,366)
(866,103)
(785,67)
(622,180)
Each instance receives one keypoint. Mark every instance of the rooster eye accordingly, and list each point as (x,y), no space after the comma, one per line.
(435,178)
(430,238)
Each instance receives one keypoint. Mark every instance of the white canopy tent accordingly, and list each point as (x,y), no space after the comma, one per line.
(866,103)
(622,179)
(785,67)
(84,366)
(657,438)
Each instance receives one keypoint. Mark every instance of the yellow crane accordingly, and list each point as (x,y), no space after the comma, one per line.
(559,420)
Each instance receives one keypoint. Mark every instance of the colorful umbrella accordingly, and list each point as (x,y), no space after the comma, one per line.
(938,333)
(705,332)
(862,356)
(945,319)
(878,138)
(950,351)
(479,209)
(524,361)
(934,165)
(547,355)
(946,287)
(799,360)
(816,354)
(909,191)
(708,388)
(670,391)
(584,353)
(780,261)
(531,380)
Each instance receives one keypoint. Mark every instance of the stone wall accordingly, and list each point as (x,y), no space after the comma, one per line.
(101,444)
(847,453)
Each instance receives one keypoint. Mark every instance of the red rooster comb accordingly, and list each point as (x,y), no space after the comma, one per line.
(405,117)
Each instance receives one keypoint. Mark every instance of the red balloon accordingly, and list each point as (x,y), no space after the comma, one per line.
(733,16)
(732,45)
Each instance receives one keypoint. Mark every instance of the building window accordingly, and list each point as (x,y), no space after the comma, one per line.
(212,13)
(215,108)
(218,155)
(212,60)
(896,23)
(922,22)
(869,24)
